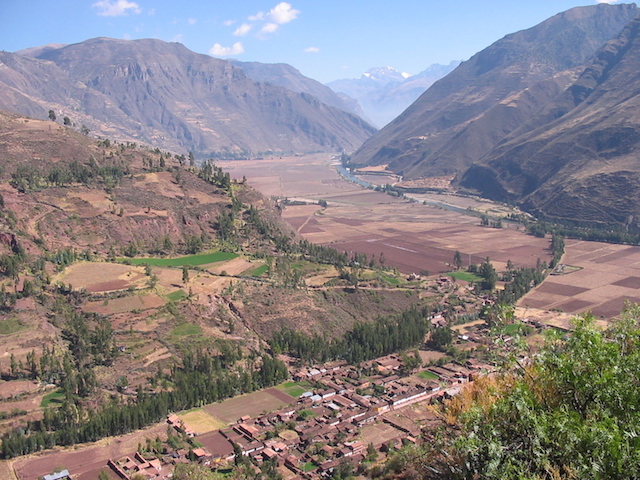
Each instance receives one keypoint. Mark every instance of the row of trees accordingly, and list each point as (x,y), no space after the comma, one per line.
(194,384)
(29,177)
(364,342)
(608,235)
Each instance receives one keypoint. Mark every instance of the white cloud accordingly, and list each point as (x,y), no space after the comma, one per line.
(228,23)
(256,17)
(219,51)
(269,28)
(177,38)
(311,50)
(242,30)
(114,8)
(192,21)
(283,13)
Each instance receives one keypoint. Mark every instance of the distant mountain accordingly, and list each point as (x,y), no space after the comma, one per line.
(290,78)
(463,116)
(162,93)
(370,81)
(578,159)
(383,93)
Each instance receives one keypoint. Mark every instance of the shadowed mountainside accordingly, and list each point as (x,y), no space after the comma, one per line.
(578,159)
(463,116)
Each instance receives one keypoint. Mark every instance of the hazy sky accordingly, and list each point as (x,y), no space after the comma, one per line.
(324,39)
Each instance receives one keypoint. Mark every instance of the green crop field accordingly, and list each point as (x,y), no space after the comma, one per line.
(466,276)
(53,398)
(256,272)
(177,295)
(11,325)
(190,261)
(426,375)
(294,389)
(187,329)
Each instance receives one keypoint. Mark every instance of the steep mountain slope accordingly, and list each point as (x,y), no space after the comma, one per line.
(290,78)
(581,163)
(162,93)
(464,115)
(383,93)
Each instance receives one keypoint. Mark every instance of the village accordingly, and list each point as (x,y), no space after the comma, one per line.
(343,421)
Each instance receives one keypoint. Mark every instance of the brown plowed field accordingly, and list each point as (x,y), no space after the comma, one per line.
(81,460)
(252,404)
(609,276)
(412,236)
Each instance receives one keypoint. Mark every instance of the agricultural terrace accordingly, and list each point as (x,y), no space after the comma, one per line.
(190,260)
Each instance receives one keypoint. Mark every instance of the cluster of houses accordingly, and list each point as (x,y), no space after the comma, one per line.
(323,428)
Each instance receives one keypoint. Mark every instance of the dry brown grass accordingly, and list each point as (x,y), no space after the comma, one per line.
(252,404)
(102,276)
(201,422)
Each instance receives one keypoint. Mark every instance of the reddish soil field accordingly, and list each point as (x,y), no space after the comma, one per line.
(419,237)
(17,387)
(629,282)
(559,289)
(81,460)
(252,404)
(413,236)
(102,277)
(609,276)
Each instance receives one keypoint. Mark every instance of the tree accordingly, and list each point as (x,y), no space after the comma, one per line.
(489,275)
(122,383)
(372,453)
(52,115)
(441,337)
(571,413)
(66,121)
(185,274)
(457,260)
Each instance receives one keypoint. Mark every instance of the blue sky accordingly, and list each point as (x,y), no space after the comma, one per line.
(324,39)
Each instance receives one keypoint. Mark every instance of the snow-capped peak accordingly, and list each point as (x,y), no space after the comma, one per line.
(386,74)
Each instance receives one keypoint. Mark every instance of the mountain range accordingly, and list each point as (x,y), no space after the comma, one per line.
(543,118)
(383,93)
(162,93)
(577,159)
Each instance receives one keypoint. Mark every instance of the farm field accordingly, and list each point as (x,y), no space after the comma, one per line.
(413,237)
(609,275)
(201,422)
(252,404)
(189,260)
(85,459)
(112,276)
